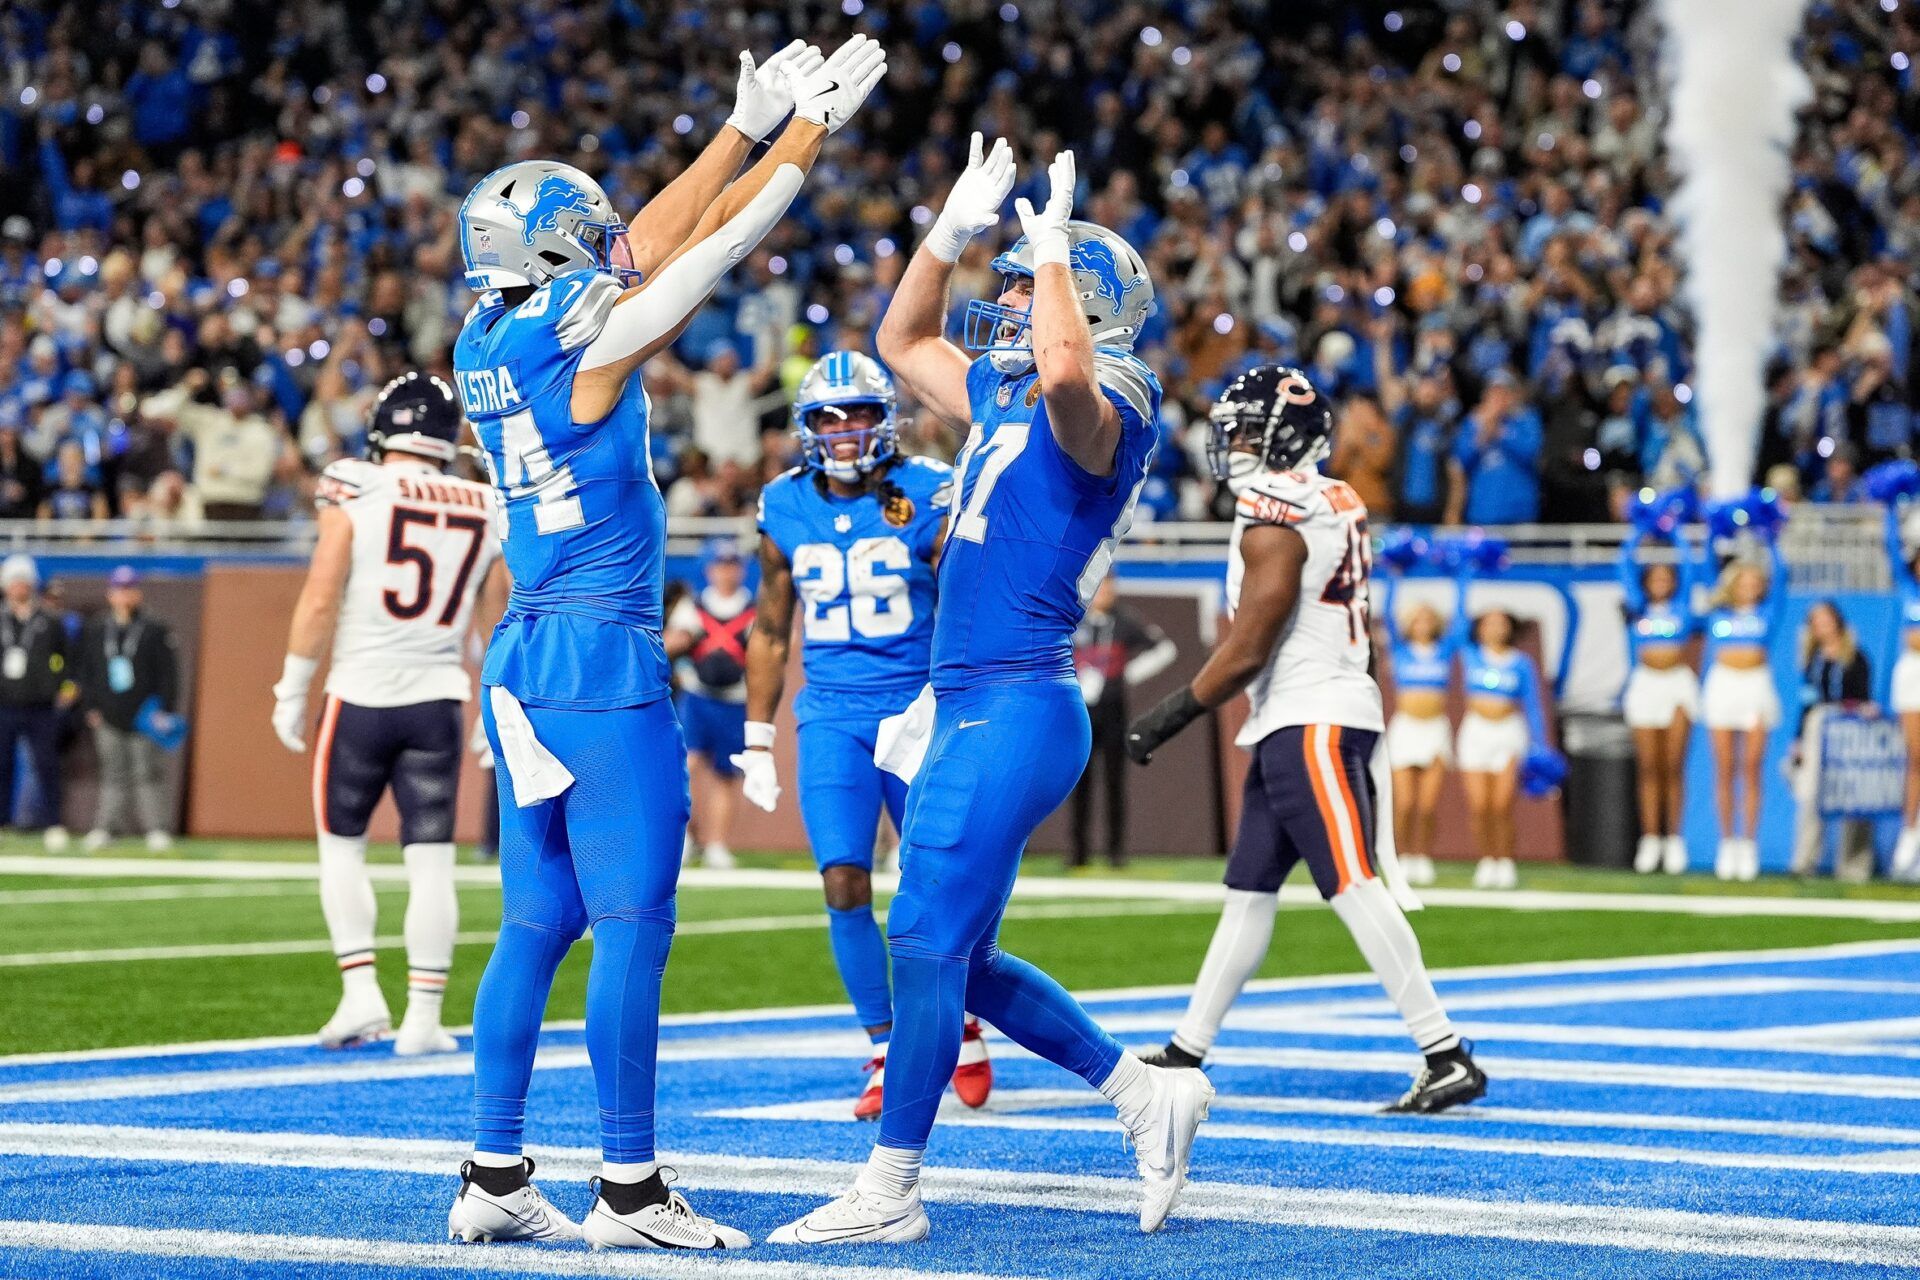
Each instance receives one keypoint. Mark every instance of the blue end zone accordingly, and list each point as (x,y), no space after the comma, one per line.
(1735,1118)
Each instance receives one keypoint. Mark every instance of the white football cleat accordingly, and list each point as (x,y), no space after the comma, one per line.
(666,1224)
(1673,855)
(417,1036)
(1162,1137)
(478,1217)
(358,1019)
(862,1216)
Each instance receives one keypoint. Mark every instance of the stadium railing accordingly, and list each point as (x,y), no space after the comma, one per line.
(1830,548)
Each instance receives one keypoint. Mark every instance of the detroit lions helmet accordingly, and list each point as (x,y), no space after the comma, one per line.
(524,224)
(1270,418)
(1111,278)
(828,406)
(418,414)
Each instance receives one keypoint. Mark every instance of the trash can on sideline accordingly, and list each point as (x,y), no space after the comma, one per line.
(1602,805)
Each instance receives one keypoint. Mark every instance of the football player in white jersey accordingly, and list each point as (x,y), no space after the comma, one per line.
(404,550)
(1301,646)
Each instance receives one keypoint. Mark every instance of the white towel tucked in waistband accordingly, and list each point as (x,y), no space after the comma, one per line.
(536,772)
(900,744)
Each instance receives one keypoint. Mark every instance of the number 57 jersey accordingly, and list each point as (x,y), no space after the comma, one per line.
(1317,674)
(864,580)
(584,524)
(422,545)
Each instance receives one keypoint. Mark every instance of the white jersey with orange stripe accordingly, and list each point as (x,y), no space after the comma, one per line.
(1317,673)
(423,543)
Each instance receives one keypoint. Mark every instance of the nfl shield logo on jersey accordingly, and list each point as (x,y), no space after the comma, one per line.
(842,523)
(1004,396)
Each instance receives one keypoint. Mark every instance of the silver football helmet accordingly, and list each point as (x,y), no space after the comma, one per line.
(1111,278)
(526,223)
(839,382)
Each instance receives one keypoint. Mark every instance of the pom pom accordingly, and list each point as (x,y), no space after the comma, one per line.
(1892,481)
(1542,772)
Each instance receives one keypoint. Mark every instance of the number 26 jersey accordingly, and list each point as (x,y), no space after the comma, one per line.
(1317,674)
(584,526)
(864,581)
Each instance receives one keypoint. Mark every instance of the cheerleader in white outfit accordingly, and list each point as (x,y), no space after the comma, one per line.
(1420,737)
(1906,693)
(1503,720)
(1738,699)
(1661,700)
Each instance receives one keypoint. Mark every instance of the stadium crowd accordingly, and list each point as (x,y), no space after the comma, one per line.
(236,222)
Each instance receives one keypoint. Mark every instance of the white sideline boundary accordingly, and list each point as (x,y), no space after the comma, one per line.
(1664,1230)
(1885,911)
(1168,991)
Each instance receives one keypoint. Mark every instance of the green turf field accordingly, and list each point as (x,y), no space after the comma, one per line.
(93,962)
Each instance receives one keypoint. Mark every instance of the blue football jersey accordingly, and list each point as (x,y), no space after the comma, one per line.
(1033,532)
(863,577)
(583,523)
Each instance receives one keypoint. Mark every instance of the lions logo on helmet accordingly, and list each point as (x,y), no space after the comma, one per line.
(846,397)
(1109,277)
(554,197)
(536,220)
(1270,418)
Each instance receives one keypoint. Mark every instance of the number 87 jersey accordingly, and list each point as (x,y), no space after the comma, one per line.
(584,527)
(863,575)
(1317,674)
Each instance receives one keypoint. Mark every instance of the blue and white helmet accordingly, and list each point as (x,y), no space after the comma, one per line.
(526,223)
(1115,291)
(837,382)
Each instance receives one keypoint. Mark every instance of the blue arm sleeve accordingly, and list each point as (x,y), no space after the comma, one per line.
(1897,552)
(1530,703)
(1630,585)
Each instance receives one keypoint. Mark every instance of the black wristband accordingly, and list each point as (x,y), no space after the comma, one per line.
(1175,712)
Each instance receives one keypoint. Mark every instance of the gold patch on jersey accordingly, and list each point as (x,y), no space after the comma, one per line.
(1033,394)
(898,511)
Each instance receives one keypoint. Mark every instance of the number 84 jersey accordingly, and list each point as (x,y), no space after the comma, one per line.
(1317,674)
(864,581)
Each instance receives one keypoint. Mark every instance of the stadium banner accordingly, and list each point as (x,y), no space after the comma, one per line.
(1863,766)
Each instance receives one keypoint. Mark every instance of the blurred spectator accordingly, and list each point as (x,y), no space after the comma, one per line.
(33,689)
(22,478)
(1494,476)
(73,496)
(236,450)
(126,660)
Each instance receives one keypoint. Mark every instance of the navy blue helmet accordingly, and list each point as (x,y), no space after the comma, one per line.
(418,414)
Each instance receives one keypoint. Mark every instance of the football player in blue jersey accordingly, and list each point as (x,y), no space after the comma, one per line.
(853,534)
(1062,419)
(592,772)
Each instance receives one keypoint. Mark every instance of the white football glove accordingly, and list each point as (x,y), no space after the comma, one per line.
(290,722)
(761,783)
(1047,230)
(829,94)
(766,92)
(974,203)
(290,701)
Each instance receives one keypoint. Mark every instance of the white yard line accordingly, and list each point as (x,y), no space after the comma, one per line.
(167,893)
(1467,1119)
(405,1256)
(1619,1226)
(1170,991)
(1894,911)
(685,929)
(1437,1138)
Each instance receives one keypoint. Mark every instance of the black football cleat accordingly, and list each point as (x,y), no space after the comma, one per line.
(1449,1079)
(1171,1056)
